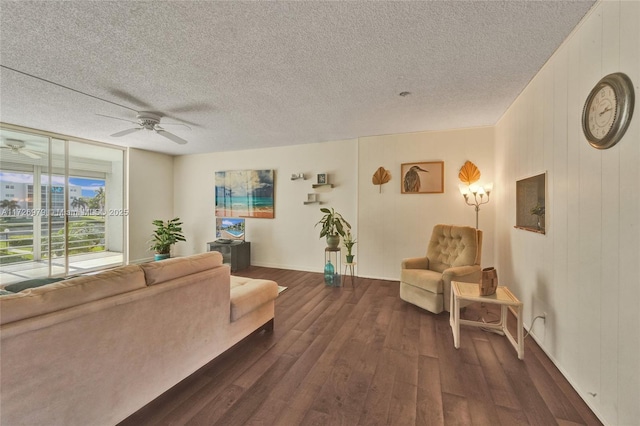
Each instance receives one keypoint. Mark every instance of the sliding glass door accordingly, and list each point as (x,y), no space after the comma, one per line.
(62,209)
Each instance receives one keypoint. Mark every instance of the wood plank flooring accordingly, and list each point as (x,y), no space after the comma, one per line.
(343,356)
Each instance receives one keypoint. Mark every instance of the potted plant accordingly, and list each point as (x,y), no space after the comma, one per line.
(333,226)
(349,242)
(538,210)
(166,234)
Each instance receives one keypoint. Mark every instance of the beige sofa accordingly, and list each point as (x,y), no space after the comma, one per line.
(94,349)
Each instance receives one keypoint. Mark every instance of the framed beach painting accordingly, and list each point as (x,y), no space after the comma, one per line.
(422,178)
(245,193)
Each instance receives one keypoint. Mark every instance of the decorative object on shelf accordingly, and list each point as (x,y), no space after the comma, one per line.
(166,234)
(469,173)
(245,193)
(380,177)
(538,211)
(349,242)
(333,226)
(296,176)
(422,178)
(489,281)
(322,179)
(531,203)
(608,110)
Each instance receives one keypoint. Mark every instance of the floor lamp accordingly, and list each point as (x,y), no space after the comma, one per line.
(478,193)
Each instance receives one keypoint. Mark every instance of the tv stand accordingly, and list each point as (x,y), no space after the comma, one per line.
(236,254)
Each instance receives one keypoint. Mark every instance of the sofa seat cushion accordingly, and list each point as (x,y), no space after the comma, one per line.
(248,294)
(169,269)
(424,279)
(65,294)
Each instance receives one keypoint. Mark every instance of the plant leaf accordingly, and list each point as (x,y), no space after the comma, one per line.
(469,173)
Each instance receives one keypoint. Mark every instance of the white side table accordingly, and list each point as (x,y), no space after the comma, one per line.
(471,292)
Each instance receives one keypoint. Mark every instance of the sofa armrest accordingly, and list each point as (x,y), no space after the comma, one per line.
(415,263)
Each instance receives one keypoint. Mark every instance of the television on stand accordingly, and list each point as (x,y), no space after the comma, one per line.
(229,229)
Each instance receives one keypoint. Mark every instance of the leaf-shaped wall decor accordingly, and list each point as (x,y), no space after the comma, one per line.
(469,173)
(380,177)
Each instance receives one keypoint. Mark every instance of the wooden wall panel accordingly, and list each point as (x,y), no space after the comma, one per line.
(585,271)
(629,228)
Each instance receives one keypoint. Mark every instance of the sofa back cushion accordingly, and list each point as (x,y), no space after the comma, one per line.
(169,269)
(65,294)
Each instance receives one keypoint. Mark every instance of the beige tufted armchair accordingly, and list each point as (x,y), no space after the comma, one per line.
(453,254)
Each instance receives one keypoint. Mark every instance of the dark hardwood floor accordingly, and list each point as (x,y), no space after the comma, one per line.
(343,356)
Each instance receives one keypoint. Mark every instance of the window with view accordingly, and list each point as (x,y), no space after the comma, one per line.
(61,207)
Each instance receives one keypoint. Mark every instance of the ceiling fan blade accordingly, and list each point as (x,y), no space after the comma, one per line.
(171,136)
(30,154)
(129,98)
(117,118)
(126,132)
(193,107)
(176,124)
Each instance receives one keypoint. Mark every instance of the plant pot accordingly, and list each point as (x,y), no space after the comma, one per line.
(489,281)
(350,258)
(161,256)
(333,241)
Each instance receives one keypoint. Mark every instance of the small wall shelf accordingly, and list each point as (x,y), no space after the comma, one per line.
(296,176)
(312,198)
(531,196)
(321,185)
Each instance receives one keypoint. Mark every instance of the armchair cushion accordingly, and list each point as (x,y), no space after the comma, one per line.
(423,279)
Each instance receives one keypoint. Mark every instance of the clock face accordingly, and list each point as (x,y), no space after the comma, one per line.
(608,110)
(602,111)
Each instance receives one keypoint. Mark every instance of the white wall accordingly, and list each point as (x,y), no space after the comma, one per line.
(388,226)
(394,226)
(584,273)
(290,240)
(150,197)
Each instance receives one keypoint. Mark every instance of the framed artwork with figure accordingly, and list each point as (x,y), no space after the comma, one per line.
(422,178)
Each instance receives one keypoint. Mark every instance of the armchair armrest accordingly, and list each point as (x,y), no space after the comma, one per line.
(462,273)
(415,263)
(469,274)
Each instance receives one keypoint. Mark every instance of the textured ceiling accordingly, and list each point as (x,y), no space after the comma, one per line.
(260,74)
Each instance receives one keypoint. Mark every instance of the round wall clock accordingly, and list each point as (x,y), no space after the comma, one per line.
(608,110)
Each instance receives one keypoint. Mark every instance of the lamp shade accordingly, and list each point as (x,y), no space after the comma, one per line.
(488,188)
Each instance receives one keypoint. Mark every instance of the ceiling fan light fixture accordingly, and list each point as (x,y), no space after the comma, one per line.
(148,120)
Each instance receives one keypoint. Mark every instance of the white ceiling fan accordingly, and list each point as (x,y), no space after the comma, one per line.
(149,121)
(18,147)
